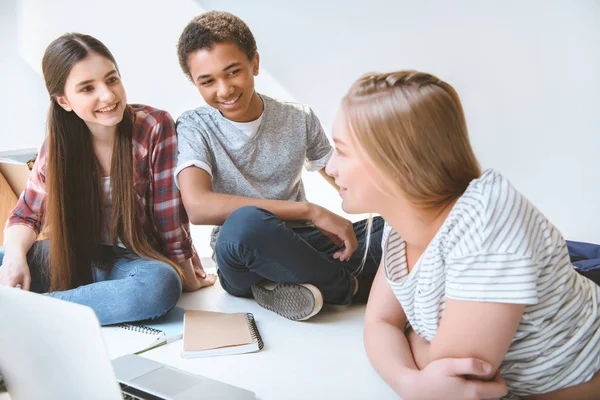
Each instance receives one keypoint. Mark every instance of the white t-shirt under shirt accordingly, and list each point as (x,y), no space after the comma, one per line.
(248,128)
(106,237)
(495,246)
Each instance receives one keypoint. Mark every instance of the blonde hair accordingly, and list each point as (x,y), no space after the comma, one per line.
(412,126)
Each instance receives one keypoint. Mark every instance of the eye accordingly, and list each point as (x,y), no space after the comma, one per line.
(112,79)
(88,88)
(234,72)
(206,83)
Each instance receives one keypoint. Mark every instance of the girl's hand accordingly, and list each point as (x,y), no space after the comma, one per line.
(15,271)
(204,279)
(456,379)
(195,278)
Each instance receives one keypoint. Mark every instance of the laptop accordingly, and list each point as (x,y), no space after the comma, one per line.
(53,349)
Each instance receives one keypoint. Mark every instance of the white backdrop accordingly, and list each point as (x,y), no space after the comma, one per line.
(527,73)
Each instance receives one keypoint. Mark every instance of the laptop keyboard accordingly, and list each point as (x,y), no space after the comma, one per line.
(131,393)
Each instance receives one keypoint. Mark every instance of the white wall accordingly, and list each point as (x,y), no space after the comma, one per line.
(527,73)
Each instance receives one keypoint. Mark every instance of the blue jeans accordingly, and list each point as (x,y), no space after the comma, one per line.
(132,289)
(254,244)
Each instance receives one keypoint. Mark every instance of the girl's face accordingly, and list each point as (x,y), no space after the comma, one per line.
(94,92)
(361,184)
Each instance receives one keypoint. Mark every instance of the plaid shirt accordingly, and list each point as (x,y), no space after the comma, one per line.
(159,202)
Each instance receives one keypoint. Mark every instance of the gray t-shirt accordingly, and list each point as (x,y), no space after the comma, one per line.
(265,166)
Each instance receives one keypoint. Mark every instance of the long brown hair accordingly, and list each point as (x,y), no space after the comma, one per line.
(73,178)
(412,126)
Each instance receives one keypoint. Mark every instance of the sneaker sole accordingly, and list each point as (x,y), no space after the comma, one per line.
(297,302)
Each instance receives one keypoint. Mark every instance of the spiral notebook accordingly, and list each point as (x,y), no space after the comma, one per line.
(138,337)
(207,334)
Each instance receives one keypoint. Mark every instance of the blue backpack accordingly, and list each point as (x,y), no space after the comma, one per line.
(586,259)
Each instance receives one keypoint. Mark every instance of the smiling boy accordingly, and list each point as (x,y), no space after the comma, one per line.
(240,164)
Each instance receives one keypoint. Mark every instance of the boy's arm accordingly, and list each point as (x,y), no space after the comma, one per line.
(204,207)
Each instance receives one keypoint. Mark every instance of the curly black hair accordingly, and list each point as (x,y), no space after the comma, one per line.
(207,29)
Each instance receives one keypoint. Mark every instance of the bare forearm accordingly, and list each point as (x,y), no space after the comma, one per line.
(188,268)
(189,276)
(18,239)
(329,179)
(215,208)
(419,347)
(390,354)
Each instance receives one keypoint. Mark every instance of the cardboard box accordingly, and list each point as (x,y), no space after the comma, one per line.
(14,172)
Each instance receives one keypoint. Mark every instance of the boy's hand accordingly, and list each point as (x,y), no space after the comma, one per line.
(338,229)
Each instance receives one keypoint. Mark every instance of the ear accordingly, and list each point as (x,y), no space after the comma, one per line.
(255,64)
(62,101)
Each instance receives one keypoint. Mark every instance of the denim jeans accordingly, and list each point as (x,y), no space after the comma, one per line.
(132,289)
(254,244)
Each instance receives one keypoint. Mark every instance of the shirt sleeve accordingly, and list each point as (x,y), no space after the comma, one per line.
(30,208)
(192,147)
(488,264)
(319,150)
(387,229)
(170,218)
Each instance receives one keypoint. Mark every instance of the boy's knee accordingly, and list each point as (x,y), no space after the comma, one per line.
(231,290)
(246,225)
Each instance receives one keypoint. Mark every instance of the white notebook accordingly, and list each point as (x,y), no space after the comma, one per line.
(137,337)
(120,341)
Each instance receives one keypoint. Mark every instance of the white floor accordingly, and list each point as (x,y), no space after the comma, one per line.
(322,358)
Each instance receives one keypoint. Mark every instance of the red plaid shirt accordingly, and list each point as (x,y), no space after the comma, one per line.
(159,202)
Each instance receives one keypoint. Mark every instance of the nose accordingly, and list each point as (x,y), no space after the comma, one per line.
(106,94)
(330,168)
(224,90)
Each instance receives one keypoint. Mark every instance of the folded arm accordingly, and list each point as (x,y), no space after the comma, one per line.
(390,353)
(481,330)
(384,340)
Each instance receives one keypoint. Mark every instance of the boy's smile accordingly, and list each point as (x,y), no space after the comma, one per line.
(225,78)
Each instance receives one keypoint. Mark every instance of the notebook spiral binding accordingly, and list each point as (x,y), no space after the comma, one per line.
(141,328)
(254,331)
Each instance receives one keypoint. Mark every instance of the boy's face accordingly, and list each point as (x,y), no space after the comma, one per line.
(225,78)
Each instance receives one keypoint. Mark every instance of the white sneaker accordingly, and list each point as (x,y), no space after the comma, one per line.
(297,302)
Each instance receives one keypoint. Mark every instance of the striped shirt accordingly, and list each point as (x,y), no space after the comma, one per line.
(495,246)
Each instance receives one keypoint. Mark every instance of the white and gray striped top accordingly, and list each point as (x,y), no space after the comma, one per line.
(495,246)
